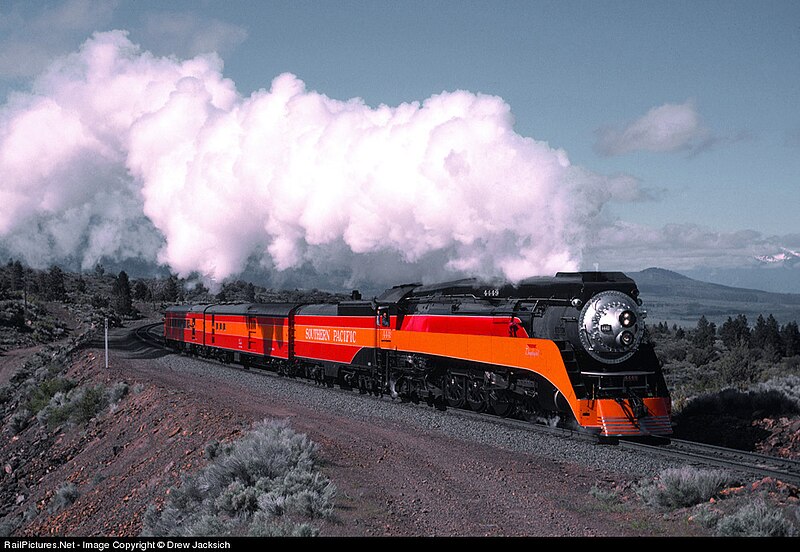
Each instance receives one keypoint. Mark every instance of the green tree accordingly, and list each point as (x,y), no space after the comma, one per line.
(790,336)
(171,291)
(140,291)
(766,333)
(17,275)
(737,367)
(121,290)
(53,284)
(704,334)
(735,332)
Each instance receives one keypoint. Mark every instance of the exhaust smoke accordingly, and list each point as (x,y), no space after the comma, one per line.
(121,154)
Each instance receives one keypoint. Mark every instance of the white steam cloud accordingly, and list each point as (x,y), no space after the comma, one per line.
(122,154)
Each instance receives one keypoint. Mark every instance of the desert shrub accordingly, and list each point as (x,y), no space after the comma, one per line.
(87,403)
(266,483)
(767,401)
(685,380)
(46,390)
(609,499)
(681,487)
(669,350)
(264,526)
(8,525)
(737,367)
(20,420)
(117,392)
(702,356)
(787,386)
(99,301)
(603,495)
(79,405)
(66,494)
(755,519)
(12,314)
(706,516)
(212,450)
(6,394)
(55,412)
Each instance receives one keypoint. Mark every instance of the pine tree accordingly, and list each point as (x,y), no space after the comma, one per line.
(790,336)
(766,333)
(140,291)
(171,291)
(735,332)
(704,334)
(759,336)
(122,294)
(17,275)
(53,284)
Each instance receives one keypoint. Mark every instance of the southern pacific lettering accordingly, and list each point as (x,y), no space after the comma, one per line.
(335,336)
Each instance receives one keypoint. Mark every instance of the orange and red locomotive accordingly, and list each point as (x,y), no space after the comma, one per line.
(570,348)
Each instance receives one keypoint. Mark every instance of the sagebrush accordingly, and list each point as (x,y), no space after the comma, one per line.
(266,484)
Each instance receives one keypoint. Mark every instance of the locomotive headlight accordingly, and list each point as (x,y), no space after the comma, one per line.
(610,327)
(627,319)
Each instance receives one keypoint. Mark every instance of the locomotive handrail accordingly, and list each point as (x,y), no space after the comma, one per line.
(630,373)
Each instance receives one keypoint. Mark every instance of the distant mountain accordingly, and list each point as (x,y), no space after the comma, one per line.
(676,298)
(781,275)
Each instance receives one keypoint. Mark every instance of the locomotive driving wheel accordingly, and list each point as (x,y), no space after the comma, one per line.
(501,403)
(476,395)
(454,390)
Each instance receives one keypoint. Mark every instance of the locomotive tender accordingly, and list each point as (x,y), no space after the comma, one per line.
(570,348)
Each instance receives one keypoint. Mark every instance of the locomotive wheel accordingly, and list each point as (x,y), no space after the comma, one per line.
(404,389)
(476,396)
(454,391)
(501,404)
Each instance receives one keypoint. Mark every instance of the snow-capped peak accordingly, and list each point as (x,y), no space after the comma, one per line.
(788,257)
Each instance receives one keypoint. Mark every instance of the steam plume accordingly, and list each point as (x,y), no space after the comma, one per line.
(118,153)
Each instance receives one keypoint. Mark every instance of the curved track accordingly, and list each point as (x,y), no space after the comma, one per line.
(755,464)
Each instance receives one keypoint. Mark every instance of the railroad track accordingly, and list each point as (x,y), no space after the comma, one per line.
(151,334)
(759,465)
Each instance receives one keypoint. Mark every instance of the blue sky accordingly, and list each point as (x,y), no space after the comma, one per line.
(697,101)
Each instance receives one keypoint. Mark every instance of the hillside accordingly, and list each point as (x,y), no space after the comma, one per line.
(675,298)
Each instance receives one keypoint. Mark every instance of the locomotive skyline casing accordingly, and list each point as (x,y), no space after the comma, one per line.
(570,348)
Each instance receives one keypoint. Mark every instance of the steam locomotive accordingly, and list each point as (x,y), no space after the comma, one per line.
(569,349)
